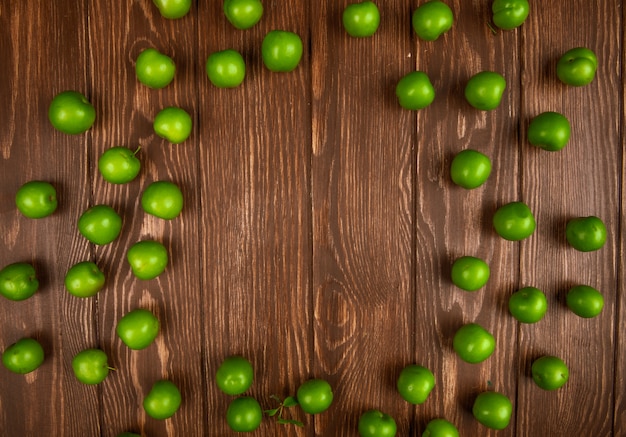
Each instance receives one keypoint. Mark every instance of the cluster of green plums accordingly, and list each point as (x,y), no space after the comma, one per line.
(71,112)
(235,376)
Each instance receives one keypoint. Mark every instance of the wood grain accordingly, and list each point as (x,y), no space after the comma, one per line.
(128,109)
(589,167)
(40,48)
(255,182)
(320,221)
(362,179)
(454,222)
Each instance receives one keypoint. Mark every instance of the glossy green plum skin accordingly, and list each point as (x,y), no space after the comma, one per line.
(586,234)
(154,69)
(18,281)
(485,89)
(71,112)
(509,14)
(432,19)
(375,423)
(281,51)
(138,328)
(493,410)
(514,221)
(528,305)
(585,301)
(550,372)
(549,131)
(226,68)
(163,400)
(100,224)
(361,20)
(23,356)
(415,91)
(473,343)
(440,428)
(244,414)
(415,383)
(119,165)
(470,169)
(470,273)
(147,259)
(577,67)
(36,199)
(243,14)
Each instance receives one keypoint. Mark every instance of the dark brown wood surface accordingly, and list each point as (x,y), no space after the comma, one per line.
(320,221)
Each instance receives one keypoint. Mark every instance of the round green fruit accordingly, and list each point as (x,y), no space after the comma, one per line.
(234,375)
(70,112)
(577,67)
(163,400)
(281,50)
(84,279)
(173,124)
(100,224)
(528,305)
(549,131)
(549,372)
(493,410)
(36,199)
(162,199)
(138,329)
(415,383)
(147,259)
(440,428)
(484,90)
(91,366)
(375,423)
(314,396)
(23,356)
(226,68)
(154,69)
(119,165)
(470,273)
(473,343)
(470,169)
(586,234)
(514,221)
(585,301)
(243,14)
(244,414)
(361,19)
(18,281)
(173,9)
(509,14)
(432,19)
(415,91)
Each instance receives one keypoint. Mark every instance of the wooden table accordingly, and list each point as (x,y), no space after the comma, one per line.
(320,220)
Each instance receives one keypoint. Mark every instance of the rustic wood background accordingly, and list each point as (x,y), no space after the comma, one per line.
(320,219)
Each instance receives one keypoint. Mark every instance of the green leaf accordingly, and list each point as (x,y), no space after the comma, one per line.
(272,412)
(290,401)
(289,422)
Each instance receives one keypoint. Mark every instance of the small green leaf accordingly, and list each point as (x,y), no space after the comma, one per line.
(289,422)
(290,401)
(272,412)
(276,398)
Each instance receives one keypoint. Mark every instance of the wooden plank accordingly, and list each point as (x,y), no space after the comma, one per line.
(452,222)
(255,177)
(43,47)
(363,212)
(581,180)
(619,412)
(117,36)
